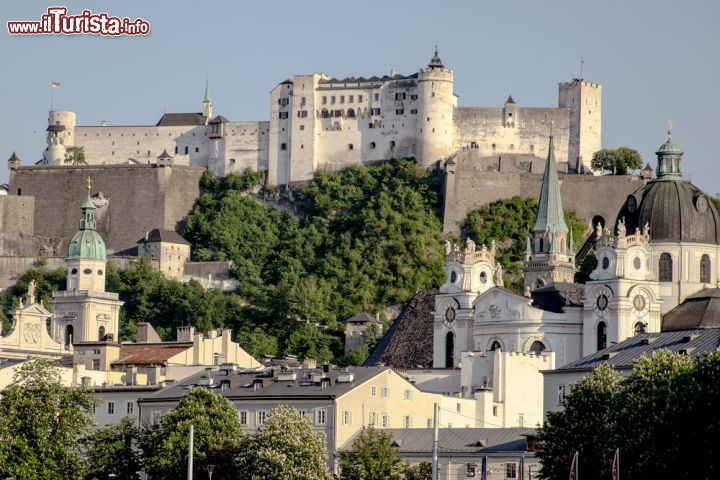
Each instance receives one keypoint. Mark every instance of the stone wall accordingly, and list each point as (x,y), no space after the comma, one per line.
(12,268)
(137,199)
(470,185)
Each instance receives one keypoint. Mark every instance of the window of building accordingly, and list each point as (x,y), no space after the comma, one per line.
(260,417)
(665,268)
(705,269)
(450,350)
(407,395)
(373,391)
(407,421)
(392,143)
(376,97)
(375,111)
(384,392)
(372,419)
(283,146)
(350,113)
(494,410)
(413,111)
(324,100)
(360,98)
(347,417)
(537,347)
(400,96)
(458,407)
(639,328)
(562,389)
(351,98)
(320,416)
(96,364)
(413,97)
(510,470)
(302,113)
(154,418)
(342,98)
(385,421)
(399,111)
(282,114)
(324,113)
(130,408)
(332,99)
(601,336)
(372,144)
(111,408)
(243,417)
(197,149)
(350,146)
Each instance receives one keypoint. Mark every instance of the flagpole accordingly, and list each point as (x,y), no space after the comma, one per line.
(52,95)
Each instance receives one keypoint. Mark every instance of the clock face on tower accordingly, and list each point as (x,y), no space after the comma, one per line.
(641,303)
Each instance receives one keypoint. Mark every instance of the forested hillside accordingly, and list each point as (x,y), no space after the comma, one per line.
(361,240)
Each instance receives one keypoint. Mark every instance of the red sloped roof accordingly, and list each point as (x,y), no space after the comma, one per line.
(150,353)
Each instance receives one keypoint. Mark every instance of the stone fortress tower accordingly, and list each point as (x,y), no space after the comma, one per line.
(318,122)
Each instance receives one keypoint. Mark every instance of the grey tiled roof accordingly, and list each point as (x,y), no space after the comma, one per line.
(458,440)
(241,384)
(623,355)
(557,296)
(158,235)
(178,119)
(701,310)
(408,342)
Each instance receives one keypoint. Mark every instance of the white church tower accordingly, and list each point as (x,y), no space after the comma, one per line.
(85,312)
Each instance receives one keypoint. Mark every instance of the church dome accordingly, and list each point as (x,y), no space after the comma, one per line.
(673,208)
(87,243)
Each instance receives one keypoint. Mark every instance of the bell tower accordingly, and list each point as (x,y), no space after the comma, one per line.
(85,312)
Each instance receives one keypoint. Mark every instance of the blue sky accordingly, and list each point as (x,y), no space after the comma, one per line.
(657,60)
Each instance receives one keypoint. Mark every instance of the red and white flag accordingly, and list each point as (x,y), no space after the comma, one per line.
(55,84)
(574,467)
(616,465)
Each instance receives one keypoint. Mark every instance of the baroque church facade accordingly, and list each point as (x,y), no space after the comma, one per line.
(318,122)
(662,248)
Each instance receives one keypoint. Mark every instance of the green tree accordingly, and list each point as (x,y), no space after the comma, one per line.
(421,471)
(75,156)
(42,423)
(582,426)
(113,450)
(371,457)
(617,161)
(285,448)
(215,422)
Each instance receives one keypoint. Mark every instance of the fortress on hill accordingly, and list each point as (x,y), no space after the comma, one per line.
(318,122)
(146,176)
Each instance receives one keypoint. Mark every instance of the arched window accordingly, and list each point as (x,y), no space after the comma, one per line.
(450,350)
(392,143)
(495,346)
(372,144)
(350,113)
(542,246)
(186,149)
(537,347)
(68,335)
(705,269)
(601,336)
(640,327)
(665,268)
(539,283)
(101,333)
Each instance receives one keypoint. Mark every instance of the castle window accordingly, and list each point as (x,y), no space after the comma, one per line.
(302,113)
(324,100)
(283,146)
(302,101)
(342,98)
(413,97)
(68,335)
(372,144)
(392,143)
(350,113)
(176,149)
(494,146)
(302,127)
(302,146)
(232,161)
(350,146)
(601,336)
(360,98)
(705,269)
(432,94)
(197,149)
(19,192)
(324,113)
(283,115)
(495,346)
(413,111)
(351,98)
(399,111)
(101,333)
(377,97)
(332,99)
(665,268)
(186,149)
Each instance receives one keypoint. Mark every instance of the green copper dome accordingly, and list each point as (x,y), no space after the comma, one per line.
(87,242)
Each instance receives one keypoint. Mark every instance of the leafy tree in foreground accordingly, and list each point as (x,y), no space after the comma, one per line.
(371,457)
(113,450)
(215,422)
(41,424)
(285,448)
(421,471)
(618,161)
(582,426)
(75,156)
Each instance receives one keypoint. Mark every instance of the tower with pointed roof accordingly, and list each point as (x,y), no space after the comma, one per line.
(435,128)
(85,312)
(207,104)
(549,256)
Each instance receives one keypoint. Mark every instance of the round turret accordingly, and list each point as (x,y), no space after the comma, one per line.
(436,132)
(60,135)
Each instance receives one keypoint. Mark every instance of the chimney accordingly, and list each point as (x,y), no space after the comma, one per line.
(142,332)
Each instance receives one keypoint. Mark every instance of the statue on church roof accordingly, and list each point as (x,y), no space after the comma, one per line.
(31,291)
(621,228)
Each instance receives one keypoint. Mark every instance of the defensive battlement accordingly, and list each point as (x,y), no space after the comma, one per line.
(576,81)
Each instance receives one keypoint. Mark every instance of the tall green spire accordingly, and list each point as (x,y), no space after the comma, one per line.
(550,210)
(206,98)
(87,242)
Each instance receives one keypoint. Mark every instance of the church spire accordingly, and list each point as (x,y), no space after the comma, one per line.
(207,104)
(550,212)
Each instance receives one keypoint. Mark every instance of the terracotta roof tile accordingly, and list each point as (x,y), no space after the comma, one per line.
(150,353)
